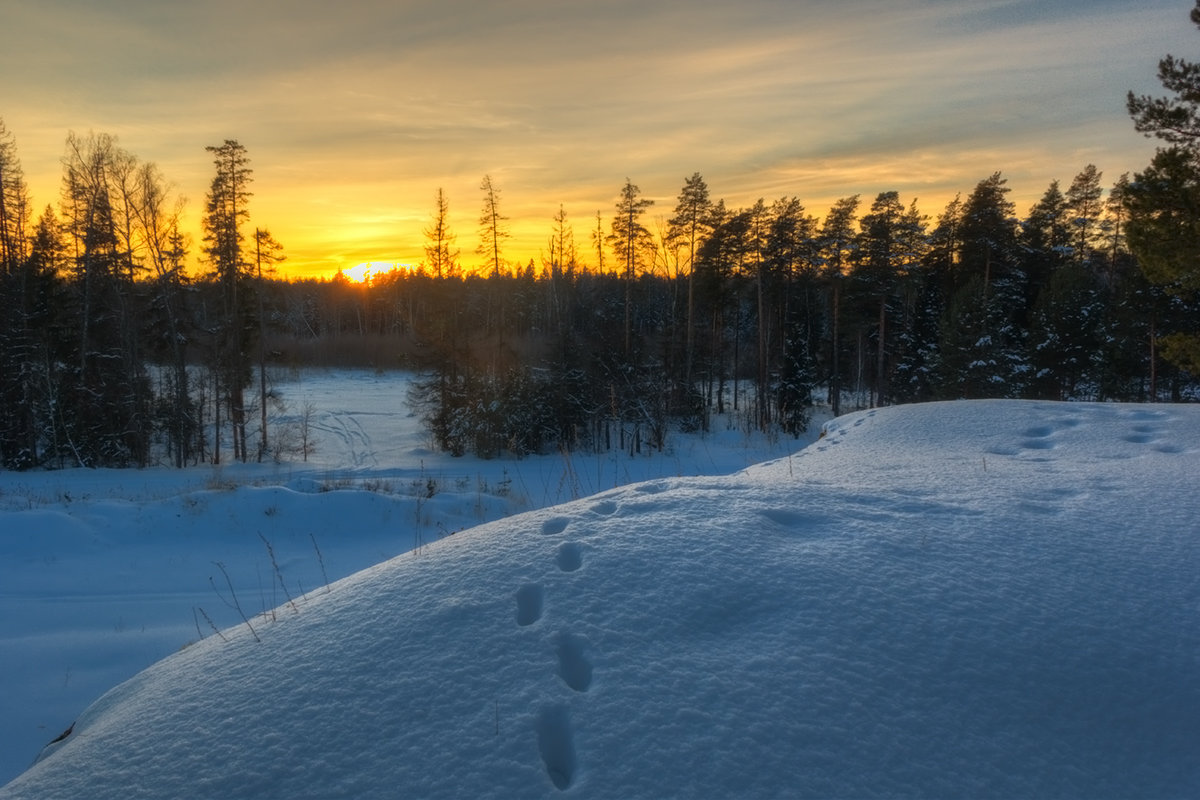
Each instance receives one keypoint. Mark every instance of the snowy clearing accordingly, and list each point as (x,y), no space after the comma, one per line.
(973,599)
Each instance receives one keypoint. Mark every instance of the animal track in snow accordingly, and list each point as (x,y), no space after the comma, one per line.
(569,557)
(1149,433)
(556,745)
(530,598)
(605,508)
(805,524)
(574,666)
(1038,438)
(555,738)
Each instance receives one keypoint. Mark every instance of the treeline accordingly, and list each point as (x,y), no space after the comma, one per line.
(874,304)
(113,354)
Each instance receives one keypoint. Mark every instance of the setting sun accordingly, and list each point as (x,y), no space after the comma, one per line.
(363,273)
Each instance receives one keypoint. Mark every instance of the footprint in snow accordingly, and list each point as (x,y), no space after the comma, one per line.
(1038,438)
(569,557)
(1147,433)
(574,665)
(530,599)
(556,745)
(605,508)
(555,738)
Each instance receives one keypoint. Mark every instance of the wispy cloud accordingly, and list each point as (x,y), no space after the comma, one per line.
(355,113)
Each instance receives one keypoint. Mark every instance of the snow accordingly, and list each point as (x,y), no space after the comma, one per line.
(971,599)
(104,572)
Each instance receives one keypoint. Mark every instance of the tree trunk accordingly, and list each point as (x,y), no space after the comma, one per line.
(835,385)
(881,358)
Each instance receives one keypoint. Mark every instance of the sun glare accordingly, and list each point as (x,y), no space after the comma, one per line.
(362,273)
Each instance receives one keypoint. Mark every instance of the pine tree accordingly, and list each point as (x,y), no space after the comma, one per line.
(689,226)
(492,230)
(890,243)
(836,245)
(791,257)
(226,209)
(1164,200)
(629,240)
(441,257)
(1164,233)
(267,253)
(1085,208)
(1175,120)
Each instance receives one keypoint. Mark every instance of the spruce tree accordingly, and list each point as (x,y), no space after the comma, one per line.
(981,351)
(1045,239)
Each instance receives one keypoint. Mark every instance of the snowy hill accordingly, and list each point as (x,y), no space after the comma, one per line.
(975,599)
(105,572)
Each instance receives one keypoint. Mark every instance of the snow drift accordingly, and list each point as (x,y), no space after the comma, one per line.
(974,599)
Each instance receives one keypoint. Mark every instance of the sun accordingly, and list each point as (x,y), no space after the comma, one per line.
(362,273)
(359,273)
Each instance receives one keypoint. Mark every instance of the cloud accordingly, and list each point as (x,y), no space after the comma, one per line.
(363,109)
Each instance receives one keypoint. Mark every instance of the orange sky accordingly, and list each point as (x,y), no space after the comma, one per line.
(354,114)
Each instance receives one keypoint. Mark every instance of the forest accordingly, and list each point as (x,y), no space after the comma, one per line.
(115,353)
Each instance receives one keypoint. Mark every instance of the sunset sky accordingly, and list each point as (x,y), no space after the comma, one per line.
(354,113)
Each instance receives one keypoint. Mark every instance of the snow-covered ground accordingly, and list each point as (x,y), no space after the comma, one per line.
(973,599)
(104,572)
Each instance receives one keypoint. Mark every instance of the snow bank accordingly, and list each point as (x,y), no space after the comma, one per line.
(985,599)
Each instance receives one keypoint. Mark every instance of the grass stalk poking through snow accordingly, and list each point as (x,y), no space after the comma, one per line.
(278,573)
(208,619)
(235,605)
(320,560)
